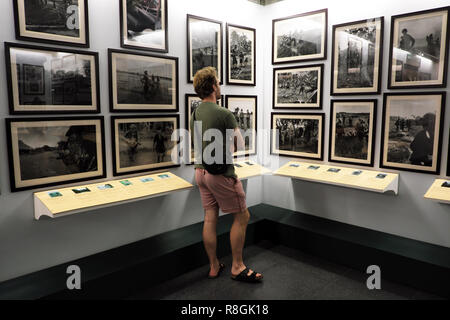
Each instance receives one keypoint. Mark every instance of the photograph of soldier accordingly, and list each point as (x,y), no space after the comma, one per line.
(241,46)
(57,17)
(300,38)
(144,143)
(143,82)
(412,131)
(298,135)
(352,131)
(244,110)
(419,43)
(298,87)
(205,44)
(144,23)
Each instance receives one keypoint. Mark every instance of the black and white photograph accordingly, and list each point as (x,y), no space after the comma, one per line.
(142,82)
(44,80)
(419,49)
(143,143)
(298,135)
(241,55)
(352,131)
(357,52)
(204,45)
(299,38)
(298,87)
(63,22)
(143,25)
(46,152)
(192,102)
(245,112)
(412,131)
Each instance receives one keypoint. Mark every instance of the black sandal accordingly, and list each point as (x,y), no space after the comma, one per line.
(244,277)
(221,267)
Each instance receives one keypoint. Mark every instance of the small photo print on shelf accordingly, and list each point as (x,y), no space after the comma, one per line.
(55,194)
(105,187)
(381,176)
(164,176)
(145,180)
(334,170)
(357,173)
(81,190)
(446,184)
(313,167)
(294,165)
(126,183)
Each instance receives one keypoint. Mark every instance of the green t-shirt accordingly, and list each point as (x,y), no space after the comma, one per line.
(213,116)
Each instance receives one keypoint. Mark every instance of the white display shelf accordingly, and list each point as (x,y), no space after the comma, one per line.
(438,192)
(249,169)
(66,201)
(368,180)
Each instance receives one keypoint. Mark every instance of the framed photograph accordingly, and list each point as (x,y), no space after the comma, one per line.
(204,45)
(241,55)
(63,22)
(142,82)
(192,102)
(357,52)
(46,72)
(143,143)
(412,131)
(245,110)
(419,49)
(144,25)
(298,87)
(53,151)
(299,135)
(352,131)
(299,38)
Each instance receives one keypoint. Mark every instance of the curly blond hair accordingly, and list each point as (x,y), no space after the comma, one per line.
(204,80)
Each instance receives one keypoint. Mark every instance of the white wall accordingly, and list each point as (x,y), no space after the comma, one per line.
(27,245)
(408,214)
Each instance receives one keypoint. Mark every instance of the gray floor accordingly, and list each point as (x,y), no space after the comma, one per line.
(288,275)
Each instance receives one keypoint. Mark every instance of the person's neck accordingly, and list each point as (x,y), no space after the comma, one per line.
(211,98)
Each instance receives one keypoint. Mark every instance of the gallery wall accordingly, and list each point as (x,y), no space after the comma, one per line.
(27,245)
(408,214)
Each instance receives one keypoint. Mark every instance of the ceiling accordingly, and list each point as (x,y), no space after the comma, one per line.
(265,2)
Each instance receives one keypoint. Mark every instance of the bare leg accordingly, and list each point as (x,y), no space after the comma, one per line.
(210,239)
(237,240)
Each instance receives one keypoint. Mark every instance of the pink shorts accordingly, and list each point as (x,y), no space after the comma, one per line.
(218,191)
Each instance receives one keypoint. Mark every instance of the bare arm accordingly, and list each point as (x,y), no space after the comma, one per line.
(238,141)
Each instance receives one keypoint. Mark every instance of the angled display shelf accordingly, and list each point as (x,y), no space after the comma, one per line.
(61,202)
(249,169)
(368,180)
(439,191)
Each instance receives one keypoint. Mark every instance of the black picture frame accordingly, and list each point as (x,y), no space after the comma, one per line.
(417,55)
(187,122)
(377,76)
(16,90)
(150,107)
(124,43)
(254,150)
(372,128)
(321,144)
(437,142)
(229,80)
(114,119)
(16,187)
(21,32)
(298,106)
(219,42)
(313,57)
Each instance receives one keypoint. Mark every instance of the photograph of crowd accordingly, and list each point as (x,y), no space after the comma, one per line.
(143,82)
(55,151)
(298,135)
(419,47)
(412,125)
(352,131)
(301,37)
(144,24)
(241,55)
(50,80)
(143,143)
(244,109)
(357,56)
(204,45)
(53,20)
(299,87)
